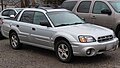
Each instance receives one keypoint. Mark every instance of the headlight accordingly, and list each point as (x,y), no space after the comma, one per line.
(86,39)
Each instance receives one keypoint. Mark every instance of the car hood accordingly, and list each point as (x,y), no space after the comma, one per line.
(3,17)
(85,29)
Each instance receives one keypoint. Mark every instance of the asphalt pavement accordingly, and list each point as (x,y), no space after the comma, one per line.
(33,57)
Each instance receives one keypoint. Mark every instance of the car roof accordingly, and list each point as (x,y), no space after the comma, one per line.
(46,10)
(53,10)
(15,8)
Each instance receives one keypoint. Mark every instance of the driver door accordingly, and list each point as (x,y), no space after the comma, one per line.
(101,19)
(41,32)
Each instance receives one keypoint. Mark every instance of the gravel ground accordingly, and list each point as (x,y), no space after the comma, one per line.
(33,57)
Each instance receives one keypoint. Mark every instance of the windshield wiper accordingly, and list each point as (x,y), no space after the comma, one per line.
(70,24)
(77,23)
(63,25)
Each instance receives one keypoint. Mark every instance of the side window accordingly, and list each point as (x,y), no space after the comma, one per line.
(40,19)
(12,12)
(27,17)
(84,7)
(69,5)
(98,6)
(5,13)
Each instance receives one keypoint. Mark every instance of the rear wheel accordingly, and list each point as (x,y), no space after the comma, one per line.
(14,41)
(64,51)
(1,36)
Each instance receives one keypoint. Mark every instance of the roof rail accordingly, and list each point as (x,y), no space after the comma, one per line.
(45,8)
(42,8)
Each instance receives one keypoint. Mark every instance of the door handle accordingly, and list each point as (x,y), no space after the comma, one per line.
(17,25)
(33,29)
(93,17)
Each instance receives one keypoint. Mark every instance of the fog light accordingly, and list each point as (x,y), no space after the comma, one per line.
(90,52)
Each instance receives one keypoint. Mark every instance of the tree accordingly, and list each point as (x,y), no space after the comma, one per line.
(10,2)
(58,2)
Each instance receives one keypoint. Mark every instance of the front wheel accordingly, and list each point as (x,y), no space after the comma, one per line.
(118,35)
(64,51)
(14,41)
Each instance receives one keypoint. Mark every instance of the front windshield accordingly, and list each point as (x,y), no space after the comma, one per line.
(115,5)
(64,18)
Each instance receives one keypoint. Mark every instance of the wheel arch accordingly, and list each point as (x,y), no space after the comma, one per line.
(12,31)
(117,29)
(60,38)
(63,36)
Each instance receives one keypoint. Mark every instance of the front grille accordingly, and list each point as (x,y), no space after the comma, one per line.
(105,38)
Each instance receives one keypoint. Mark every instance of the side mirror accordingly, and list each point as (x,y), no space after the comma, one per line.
(47,24)
(106,11)
(59,7)
(12,16)
(83,19)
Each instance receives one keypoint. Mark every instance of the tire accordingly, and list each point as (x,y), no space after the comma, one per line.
(64,51)
(14,41)
(1,36)
(118,35)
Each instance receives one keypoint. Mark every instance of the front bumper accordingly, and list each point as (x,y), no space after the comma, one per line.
(79,49)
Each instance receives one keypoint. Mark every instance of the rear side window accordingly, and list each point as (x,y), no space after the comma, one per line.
(69,5)
(84,7)
(27,17)
(5,13)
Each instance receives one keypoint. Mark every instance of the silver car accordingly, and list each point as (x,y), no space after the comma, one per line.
(10,12)
(7,13)
(59,30)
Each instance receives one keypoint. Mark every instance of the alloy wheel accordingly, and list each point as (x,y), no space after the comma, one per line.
(14,41)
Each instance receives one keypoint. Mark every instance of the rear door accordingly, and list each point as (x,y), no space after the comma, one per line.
(24,25)
(82,10)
